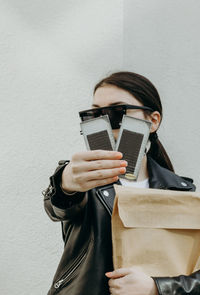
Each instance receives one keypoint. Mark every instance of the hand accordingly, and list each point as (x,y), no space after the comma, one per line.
(90,169)
(130,281)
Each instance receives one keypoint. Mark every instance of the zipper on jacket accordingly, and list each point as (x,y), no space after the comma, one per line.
(60,282)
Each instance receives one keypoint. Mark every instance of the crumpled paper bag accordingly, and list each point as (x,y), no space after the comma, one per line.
(157,230)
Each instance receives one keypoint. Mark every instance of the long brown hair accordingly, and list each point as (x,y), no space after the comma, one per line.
(145,92)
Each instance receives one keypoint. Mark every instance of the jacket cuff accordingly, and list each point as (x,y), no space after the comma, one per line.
(72,210)
(58,197)
(178,285)
(163,285)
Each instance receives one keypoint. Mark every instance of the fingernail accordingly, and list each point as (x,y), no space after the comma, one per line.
(123,163)
(115,178)
(108,273)
(122,170)
(119,154)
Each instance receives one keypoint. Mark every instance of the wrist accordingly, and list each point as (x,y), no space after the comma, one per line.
(65,174)
(67,192)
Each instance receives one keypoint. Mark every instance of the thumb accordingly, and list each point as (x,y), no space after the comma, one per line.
(118,273)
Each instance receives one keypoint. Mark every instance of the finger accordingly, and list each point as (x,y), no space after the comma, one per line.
(103,174)
(97,165)
(112,291)
(96,183)
(114,283)
(98,155)
(118,273)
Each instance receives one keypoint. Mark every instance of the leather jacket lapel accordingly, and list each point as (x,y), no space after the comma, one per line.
(163,178)
(106,195)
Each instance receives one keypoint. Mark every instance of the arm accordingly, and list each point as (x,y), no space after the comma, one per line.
(59,205)
(133,281)
(180,285)
(85,171)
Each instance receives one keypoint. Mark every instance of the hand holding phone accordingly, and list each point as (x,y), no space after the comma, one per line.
(91,169)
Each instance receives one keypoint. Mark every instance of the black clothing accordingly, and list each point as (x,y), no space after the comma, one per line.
(86,228)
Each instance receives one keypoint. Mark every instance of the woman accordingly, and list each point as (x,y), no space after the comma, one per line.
(81,195)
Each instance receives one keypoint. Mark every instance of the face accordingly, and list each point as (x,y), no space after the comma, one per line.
(109,95)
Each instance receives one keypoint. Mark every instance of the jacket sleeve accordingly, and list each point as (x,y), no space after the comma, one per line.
(57,204)
(180,285)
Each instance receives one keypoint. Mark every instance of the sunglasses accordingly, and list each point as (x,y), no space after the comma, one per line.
(115,113)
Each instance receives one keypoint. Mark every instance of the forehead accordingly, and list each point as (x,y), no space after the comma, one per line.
(110,95)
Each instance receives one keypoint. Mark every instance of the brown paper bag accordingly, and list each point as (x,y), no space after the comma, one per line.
(157,230)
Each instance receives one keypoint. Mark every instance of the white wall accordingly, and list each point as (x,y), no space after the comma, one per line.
(51,55)
(161,42)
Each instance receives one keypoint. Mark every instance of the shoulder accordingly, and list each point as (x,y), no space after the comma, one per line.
(160,177)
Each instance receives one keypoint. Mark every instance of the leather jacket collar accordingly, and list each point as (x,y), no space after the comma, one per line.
(163,178)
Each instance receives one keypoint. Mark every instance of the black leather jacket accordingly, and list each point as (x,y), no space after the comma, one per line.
(86,228)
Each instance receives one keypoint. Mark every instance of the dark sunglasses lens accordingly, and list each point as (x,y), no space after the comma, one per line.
(90,115)
(115,116)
